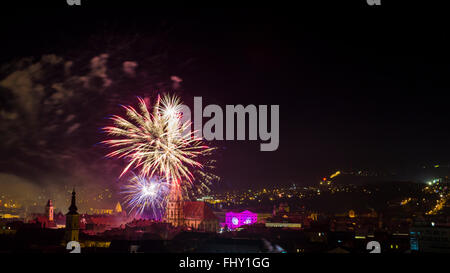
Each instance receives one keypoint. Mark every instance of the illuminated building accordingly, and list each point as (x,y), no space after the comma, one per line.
(283,225)
(351,214)
(72,221)
(102,211)
(174,212)
(283,218)
(118,208)
(235,220)
(45,220)
(49,210)
(195,215)
(108,211)
(101,220)
(9,216)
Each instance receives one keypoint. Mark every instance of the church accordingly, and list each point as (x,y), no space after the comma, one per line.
(45,220)
(72,221)
(192,215)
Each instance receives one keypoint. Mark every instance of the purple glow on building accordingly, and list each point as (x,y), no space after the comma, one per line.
(234,220)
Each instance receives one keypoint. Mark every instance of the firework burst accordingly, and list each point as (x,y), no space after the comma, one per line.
(142,193)
(157,142)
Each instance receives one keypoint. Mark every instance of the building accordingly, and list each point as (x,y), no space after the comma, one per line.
(430,238)
(235,220)
(72,221)
(94,224)
(108,211)
(49,210)
(60,220)
(282,208)
(282,217)
(174,212)
(198,216)
(193,215)
(45,220)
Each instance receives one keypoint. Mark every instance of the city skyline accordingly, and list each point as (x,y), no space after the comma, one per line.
(244,130)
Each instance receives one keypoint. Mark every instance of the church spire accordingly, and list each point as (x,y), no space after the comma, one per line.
(72,221)
(73,208)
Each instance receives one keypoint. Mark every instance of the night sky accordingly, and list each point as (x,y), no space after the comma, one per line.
(357,89)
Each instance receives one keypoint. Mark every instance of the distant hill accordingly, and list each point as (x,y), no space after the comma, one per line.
(351,179)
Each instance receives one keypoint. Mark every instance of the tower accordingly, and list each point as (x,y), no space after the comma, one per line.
(49,210)
(72,221)
(118,208)
(174,211)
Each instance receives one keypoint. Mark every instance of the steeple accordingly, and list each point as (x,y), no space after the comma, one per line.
(72,221)
(73,208)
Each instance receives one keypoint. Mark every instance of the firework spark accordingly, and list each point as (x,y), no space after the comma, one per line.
(157,142)
(142,193)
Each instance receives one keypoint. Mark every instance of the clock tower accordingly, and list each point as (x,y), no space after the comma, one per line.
(49,211)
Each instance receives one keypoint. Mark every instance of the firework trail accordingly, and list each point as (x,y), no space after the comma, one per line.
(158,143)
